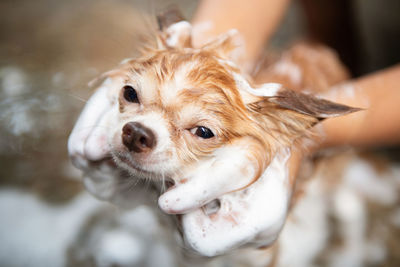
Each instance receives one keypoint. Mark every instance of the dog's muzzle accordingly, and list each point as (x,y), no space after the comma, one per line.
(137,138)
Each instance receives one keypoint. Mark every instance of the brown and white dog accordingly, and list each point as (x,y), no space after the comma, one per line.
(190,117)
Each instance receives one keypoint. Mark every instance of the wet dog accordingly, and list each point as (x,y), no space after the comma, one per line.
(189,117)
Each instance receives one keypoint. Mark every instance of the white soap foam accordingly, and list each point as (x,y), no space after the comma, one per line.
(89,137)
(212,178)
(266,89)
(378,187)
(176,31)
(117,247)
(33,233)
(306,231)
(101,181)
(288,68)
(14,81)
(254,215)
(350,210)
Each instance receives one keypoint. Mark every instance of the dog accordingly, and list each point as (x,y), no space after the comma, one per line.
(211,141)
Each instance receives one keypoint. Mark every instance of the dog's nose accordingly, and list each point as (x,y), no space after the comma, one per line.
(137,137)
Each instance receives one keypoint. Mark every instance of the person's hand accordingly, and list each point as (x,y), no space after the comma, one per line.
(88,147)
(253,216)
(89,151)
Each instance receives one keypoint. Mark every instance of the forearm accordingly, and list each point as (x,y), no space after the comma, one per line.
(379,123)
(256,20)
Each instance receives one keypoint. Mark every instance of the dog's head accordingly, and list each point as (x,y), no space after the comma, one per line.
(189,115)
(178,106)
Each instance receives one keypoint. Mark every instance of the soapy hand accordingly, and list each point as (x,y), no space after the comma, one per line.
(252,217)
(89,151)
(229,169)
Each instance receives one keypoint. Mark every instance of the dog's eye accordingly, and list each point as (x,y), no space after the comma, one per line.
(202,132)
(130,94)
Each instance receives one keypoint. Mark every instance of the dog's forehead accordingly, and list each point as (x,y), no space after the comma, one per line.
(178,78)
(174,87)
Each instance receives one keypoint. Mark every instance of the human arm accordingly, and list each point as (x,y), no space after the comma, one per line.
(256,21)
(378,124)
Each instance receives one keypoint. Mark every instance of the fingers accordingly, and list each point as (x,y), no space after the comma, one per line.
(97,145)
(101,179)
(230,170)
(87,140)
(183,198)
(253,216)
(108,183)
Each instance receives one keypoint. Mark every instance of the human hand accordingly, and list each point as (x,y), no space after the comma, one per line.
(89,150)
(251,217)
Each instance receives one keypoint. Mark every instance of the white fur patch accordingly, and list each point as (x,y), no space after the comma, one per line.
(171,88)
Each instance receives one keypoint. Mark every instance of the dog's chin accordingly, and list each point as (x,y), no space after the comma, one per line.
(127,164)
(145,168)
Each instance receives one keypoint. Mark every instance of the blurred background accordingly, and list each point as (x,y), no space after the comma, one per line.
(51,49)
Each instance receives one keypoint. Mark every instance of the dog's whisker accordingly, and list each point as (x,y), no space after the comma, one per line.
(77,97)
(94,127)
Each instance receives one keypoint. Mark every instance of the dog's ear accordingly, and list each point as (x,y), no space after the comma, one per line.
(228,45)
(174,31)
(306,104)
(169,17)
(290,111)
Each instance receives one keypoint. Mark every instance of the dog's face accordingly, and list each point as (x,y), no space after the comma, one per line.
(190,116)
(175,109)
(179,113)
